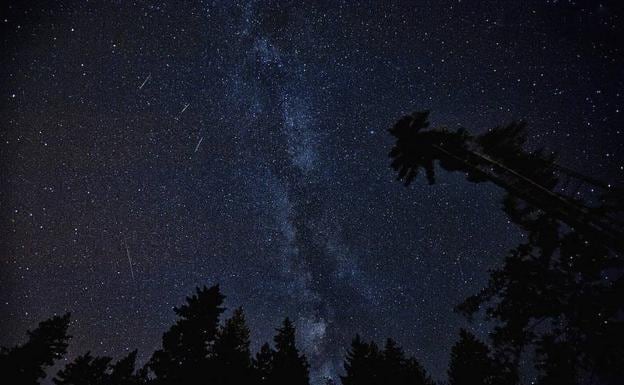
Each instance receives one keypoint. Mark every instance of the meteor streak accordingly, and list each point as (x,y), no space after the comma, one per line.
(129,259)
(198,143)
(145,81)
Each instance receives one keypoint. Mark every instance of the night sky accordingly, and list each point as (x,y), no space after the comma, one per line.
(147,148)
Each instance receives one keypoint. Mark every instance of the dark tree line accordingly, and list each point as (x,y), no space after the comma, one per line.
(559,296)
(367,364)
(200,349)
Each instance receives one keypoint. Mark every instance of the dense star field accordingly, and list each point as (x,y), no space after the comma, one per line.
(151,147)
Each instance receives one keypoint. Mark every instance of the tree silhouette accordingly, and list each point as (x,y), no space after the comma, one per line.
(26,364)
(365,364)
(400,370)
(289,367)
(471,363)
(89,370)
(415,149)
(231,354)
(499,156)
(561,291)
(198,349)
(362,364)
(123,372)
(85,369)
(263,364)
(561,295)
(195,350)
(186,346)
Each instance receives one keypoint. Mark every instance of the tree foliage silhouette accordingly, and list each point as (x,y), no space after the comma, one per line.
(471,363)
(362,363)
(498,156)
(365,364)
(89,370)
(263,364)
(85,369)
(197,349)
(187,345)
(231,353)
(561,291)
(26,364)
(288,365)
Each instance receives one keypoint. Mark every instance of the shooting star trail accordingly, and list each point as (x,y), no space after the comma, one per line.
(129,259)
(461,269)
(198,143)
(181,112)
(145,81)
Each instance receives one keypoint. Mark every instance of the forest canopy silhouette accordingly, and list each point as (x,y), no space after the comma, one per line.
(201,348)
(558,296)
(556,300)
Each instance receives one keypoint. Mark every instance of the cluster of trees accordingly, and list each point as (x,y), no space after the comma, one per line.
(197,349)
(201,349)
(557,297)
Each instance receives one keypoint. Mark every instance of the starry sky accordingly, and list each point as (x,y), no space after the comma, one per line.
(150,147)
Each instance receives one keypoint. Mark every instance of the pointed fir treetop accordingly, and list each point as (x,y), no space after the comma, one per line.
(204,305)
(285,337)
(289,365)
(235,333)
(470,361)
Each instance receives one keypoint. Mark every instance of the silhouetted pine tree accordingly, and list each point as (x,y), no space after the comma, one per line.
(85,369)
(26,364)
(471,363)
(362,364)
(289,367)
(366,365)
(231,355)
(89,370)
(399,370)
(124,371)
(263,364)
(184,357)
